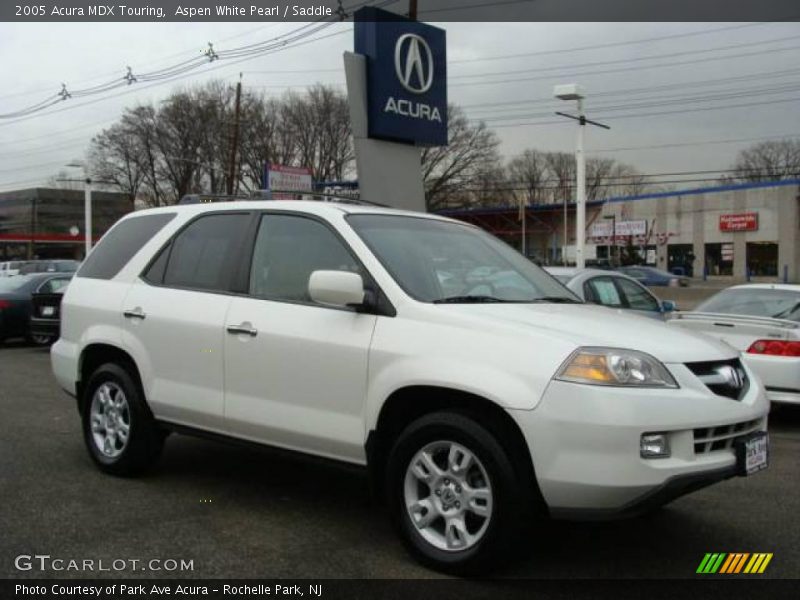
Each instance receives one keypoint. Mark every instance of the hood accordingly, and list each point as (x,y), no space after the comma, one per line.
(592,325)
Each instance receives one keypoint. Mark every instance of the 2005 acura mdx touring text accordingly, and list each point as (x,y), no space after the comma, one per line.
(481,395)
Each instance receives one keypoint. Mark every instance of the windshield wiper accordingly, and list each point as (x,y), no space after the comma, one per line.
(558,300)
(472,299)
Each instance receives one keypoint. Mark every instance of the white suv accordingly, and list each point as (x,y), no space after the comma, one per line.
(479,392)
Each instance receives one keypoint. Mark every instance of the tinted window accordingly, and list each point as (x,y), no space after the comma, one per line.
(638,298)
(155,273)
(287,250)
(203,255)
(602,290)
(119,245)
(53,285)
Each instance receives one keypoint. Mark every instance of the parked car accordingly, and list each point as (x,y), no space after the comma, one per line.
(45,322)
(49,266)
(763,321)
(324,328)
(612,289)
(10,268)
(650,276)
(16,304)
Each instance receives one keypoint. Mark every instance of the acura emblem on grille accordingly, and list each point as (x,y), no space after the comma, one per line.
(733,378)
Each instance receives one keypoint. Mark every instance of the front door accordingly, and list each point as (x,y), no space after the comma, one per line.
(296,371)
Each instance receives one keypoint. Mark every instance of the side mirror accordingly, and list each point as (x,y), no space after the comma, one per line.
(668,306)
(336,288)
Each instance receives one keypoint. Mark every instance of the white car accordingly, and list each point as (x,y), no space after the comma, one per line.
(614,290)
(323,327)
(762,320)
(10,268)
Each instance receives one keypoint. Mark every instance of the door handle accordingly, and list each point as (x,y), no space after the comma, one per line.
(136,313)
(243,328)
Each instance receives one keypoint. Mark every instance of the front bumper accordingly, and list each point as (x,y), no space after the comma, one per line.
(584,442)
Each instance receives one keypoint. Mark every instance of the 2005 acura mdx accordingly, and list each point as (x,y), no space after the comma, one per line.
(478,391)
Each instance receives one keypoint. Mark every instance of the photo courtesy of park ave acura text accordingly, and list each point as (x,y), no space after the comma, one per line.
(399,298)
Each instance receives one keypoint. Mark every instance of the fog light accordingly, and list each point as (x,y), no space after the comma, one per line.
(654,445)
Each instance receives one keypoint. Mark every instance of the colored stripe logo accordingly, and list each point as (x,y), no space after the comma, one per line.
(734,563)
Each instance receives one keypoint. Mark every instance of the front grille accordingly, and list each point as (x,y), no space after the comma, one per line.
(721,437)
(723,377)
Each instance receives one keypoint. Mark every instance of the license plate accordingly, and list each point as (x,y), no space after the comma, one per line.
(752,453)
(48,311)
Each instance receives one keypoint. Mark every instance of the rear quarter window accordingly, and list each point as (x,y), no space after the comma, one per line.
(119,245)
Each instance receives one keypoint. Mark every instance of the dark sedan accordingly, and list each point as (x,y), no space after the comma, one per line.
(16,305)
(650,276)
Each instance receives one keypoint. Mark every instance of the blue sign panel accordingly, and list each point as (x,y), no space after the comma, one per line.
(406,77)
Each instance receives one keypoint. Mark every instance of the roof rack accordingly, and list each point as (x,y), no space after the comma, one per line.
(268,195)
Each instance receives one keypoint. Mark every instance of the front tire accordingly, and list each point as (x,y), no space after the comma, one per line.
(118,428)
(453,494)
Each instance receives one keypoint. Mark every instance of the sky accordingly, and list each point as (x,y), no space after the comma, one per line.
(744,76)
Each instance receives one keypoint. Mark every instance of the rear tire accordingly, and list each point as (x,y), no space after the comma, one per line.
(454,495)
(119,430)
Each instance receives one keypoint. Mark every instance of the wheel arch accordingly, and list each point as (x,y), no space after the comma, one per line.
(405,405)
(96,354)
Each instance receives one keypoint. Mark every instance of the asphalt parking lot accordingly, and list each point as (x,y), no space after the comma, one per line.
(239,512)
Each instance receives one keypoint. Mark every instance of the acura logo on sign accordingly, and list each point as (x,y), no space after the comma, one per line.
(413,63)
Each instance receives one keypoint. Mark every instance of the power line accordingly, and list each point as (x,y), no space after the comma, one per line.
(288,40)
(701,143)
(631,60)
(653,114)
(622,69)
(609,44)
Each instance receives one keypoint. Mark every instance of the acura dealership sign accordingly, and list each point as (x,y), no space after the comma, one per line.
(406,77)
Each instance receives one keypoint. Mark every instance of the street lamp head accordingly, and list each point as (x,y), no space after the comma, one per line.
(569,91)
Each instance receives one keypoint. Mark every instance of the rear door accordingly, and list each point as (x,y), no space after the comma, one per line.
(174,319)
(296,371)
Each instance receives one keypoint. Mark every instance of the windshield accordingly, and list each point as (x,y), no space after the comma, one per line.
(441,261)
(777,304)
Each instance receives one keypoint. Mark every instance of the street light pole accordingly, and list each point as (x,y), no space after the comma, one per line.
(573,91)
(87,216)
(580,174)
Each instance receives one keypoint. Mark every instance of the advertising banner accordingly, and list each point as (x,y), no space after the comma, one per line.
(282,177)
(739,222)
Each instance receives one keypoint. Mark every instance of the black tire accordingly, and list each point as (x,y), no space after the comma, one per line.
(145,438)
(512,508)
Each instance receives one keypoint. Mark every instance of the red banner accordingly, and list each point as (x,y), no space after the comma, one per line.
(739,222)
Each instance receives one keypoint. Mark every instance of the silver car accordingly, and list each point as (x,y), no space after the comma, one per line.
(612,289)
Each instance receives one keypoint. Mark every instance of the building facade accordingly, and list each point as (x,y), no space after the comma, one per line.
(737,232)
(49,223)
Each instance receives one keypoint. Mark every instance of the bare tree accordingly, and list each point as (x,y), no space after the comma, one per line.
(529,170)
(768,161)
(446,170)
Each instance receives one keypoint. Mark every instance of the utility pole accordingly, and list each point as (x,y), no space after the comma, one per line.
(412,10)
(235,143)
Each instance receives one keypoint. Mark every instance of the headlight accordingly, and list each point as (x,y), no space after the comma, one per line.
(615,366)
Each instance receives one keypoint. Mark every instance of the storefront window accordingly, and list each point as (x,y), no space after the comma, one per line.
(762,259)
(719,259)
(680,259)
